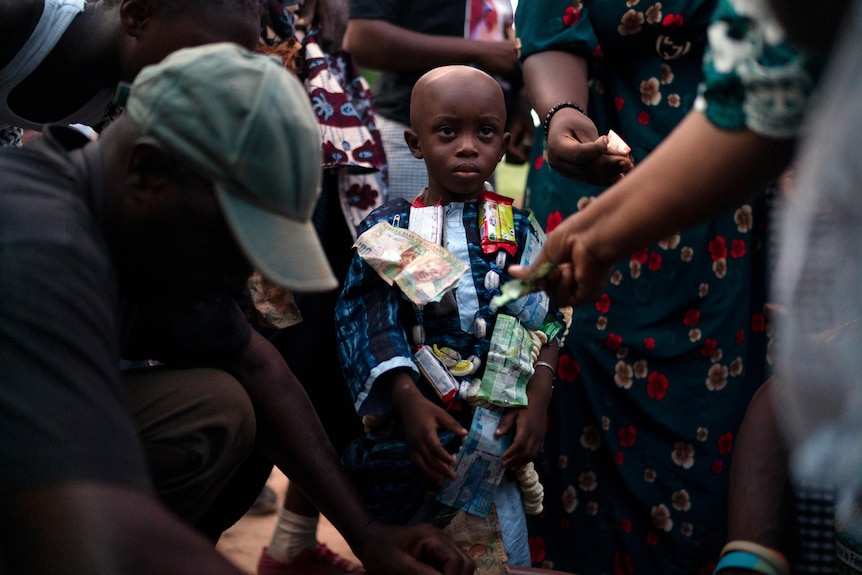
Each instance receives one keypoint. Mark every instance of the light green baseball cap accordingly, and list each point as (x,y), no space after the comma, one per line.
(245,123)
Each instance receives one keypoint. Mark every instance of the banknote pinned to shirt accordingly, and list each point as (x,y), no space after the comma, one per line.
(517,288)
(423,270)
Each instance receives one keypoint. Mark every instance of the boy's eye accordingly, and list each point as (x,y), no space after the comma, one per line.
(487,131)
(446,131)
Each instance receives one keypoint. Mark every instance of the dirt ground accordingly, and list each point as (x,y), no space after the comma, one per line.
(243,542)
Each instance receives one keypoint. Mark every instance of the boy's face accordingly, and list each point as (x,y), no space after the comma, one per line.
(459,132)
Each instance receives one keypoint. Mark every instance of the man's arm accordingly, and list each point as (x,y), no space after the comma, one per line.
(292,436)
(99,528)
(380,45)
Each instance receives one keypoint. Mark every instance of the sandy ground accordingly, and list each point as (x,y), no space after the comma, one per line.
(243,542)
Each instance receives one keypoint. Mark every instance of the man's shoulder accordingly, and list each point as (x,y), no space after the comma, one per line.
(43,196)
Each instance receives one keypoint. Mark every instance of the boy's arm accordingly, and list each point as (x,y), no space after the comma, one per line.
(529,422)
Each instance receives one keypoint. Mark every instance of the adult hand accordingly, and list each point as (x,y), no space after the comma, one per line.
(576,150)
(498,57)
(579,276)
(332,16)
(416,549)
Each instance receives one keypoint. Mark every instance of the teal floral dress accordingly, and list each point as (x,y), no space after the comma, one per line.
(656,373)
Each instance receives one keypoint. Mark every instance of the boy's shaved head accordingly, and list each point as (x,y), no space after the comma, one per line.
(435,83)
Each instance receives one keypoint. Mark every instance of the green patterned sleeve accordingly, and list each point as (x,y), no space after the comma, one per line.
(753,77)
(554,25)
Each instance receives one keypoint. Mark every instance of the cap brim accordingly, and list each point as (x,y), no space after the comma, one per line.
(286,251)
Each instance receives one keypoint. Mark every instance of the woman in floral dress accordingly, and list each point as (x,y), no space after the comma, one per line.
(656,374)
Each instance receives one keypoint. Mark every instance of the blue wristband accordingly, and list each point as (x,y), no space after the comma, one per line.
(745,560)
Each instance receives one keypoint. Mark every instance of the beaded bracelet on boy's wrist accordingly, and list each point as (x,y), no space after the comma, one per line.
(546,125)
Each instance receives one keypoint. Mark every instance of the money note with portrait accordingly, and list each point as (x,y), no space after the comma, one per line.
(423,270)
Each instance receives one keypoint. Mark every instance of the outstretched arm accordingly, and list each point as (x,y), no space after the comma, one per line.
(697,172)
(292,435)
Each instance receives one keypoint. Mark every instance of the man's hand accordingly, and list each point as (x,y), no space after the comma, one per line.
(416,549)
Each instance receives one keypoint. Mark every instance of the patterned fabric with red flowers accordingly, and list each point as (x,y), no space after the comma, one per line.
(656,374)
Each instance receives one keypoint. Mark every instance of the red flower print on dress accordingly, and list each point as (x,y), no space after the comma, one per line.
(692,317)
(740,336)
(649,343)
(758,322)
(654,262)
(539,162)
(737,249)
(597,53)
(643,119)
(571,16)
(554,219)
(709,347)
(614,341)
(718,248)
(657,385)
(725,443)
(567,368)
(627,435)
(538,553)
(652,538)
(626,525)
(619,457)
(675,20)
(603,304)
(619,103)
(623,564)
(717,466)
(640,257)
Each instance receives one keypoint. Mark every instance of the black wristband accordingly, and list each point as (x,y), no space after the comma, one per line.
(547,123)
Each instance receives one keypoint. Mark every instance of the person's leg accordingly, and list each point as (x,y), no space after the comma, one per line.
(295,533)
(197,427)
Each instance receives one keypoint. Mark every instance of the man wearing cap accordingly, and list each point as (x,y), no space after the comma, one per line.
(128,246)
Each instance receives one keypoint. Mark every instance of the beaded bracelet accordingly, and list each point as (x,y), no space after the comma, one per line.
(547,123)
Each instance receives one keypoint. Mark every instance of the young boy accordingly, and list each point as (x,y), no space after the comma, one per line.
(424,362)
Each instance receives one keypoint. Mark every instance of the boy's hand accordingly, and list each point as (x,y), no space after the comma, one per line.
(529,427)
(422,419)
(421,424)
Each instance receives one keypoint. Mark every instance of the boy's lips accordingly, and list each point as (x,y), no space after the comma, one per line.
(467,168)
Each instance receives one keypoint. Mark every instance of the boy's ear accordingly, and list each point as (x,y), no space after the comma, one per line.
(412,139)
(134,15)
